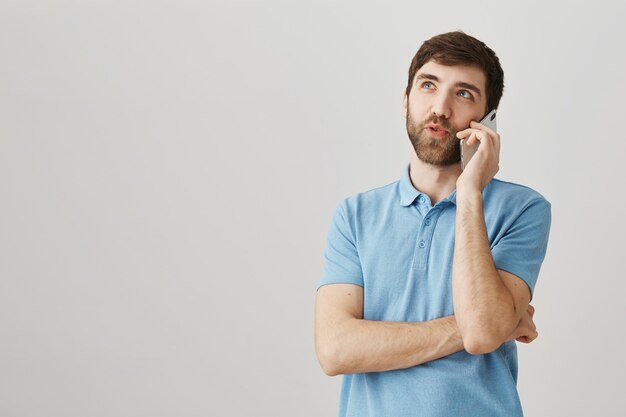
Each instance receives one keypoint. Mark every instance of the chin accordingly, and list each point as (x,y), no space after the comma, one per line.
(438,159)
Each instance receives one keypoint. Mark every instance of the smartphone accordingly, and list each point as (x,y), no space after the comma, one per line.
(468,151)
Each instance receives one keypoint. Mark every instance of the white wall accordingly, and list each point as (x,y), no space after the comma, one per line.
(168,170)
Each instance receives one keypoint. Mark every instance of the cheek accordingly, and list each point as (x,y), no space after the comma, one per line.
(464,119)
(417,108)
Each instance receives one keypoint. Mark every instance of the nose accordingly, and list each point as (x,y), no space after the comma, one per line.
(441,106)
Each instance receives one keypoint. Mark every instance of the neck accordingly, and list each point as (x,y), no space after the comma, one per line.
(434,181)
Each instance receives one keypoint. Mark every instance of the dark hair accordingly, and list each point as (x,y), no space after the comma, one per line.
(458,48)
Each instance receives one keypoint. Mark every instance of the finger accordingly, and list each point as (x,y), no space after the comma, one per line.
(462,134)
(486,134)
(476,125)
(466,132)
(528,338)
(471,140)
(479,137)
(496,141)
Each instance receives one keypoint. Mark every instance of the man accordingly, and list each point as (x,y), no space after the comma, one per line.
(427,280)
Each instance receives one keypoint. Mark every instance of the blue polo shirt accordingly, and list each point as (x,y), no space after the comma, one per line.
(399,247)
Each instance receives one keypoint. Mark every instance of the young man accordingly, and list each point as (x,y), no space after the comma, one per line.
(427,280)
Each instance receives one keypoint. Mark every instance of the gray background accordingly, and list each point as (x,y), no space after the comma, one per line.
(168,170)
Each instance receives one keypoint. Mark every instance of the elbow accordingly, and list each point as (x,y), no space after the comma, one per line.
(480,343)
(335,349)
(330,369)
(480,340)
(479,346)
(327,356)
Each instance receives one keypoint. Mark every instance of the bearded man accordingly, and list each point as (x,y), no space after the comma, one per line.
(427,281)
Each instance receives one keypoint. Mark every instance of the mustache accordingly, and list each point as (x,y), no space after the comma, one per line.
(439,121)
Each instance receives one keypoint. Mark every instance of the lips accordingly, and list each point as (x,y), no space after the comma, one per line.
(435,130)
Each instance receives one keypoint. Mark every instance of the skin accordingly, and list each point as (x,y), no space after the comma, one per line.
(490,306)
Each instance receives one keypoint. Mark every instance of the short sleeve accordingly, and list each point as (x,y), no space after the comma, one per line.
(341,257)
(522,249)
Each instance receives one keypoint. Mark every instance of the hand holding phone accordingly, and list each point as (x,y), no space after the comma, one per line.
(468,151)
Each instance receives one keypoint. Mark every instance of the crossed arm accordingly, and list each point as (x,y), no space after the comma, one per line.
(490,305)
(346,343)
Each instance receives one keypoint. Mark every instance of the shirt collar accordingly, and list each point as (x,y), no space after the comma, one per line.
(408,193)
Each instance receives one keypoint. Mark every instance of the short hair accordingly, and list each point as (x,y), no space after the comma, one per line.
(458,48)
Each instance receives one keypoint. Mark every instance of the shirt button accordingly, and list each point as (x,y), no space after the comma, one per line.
(420,199)
(422,244)
(427,221)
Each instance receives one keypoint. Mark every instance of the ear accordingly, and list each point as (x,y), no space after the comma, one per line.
(404,104)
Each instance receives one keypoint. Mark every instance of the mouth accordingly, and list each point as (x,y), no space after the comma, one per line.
(436,130)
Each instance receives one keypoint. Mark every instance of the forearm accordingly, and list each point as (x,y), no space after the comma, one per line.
(483,306)
(356,345)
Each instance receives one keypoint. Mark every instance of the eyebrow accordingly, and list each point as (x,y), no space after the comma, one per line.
(472,87)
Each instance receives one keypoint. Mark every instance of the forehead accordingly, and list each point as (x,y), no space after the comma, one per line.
(454,74)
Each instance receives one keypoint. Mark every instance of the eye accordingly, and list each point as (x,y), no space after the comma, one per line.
(465,94)
(427,85)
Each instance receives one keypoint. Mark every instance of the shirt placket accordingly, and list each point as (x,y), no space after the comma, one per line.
(426,231)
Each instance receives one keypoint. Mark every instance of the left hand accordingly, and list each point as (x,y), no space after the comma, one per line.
(485,163)
(526,331)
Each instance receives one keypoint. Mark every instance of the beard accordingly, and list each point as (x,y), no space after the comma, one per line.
(444,151)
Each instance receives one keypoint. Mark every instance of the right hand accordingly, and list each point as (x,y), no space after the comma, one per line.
(525,331)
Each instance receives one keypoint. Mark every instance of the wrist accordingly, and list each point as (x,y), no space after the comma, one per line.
(466,191)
